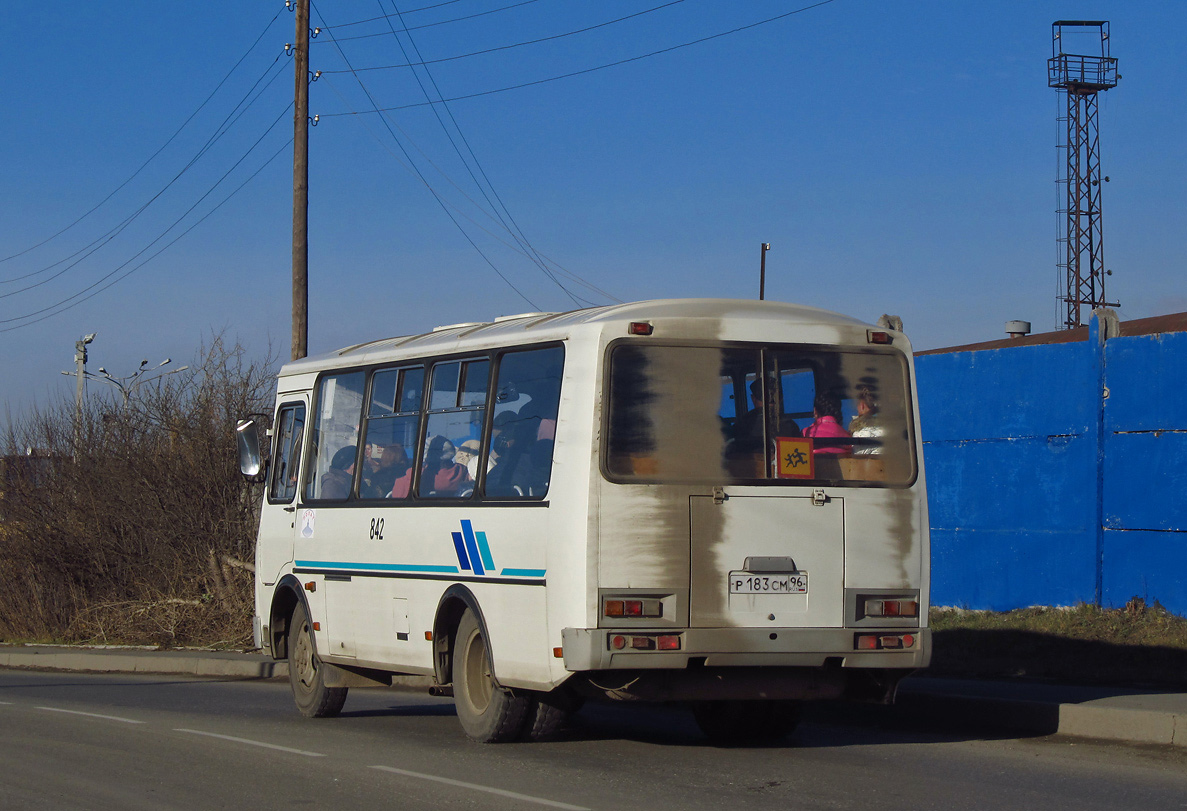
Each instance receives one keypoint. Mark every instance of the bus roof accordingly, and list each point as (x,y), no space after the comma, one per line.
(535,327)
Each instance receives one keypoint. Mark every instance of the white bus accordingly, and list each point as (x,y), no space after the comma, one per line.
(712,502)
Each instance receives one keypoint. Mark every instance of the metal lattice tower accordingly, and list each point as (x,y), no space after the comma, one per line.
(1080,77)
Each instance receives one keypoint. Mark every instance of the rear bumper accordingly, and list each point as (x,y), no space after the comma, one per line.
(588,649)
(876,685)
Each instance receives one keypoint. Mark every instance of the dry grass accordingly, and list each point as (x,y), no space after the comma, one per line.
(1137,645)
(130,524)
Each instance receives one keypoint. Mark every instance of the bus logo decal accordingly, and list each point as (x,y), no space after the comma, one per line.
(308,518)
(473,552)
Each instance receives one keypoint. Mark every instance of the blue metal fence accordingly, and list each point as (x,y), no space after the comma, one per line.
(1057,469)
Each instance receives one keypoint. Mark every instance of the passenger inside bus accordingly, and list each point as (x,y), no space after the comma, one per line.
(518,469)
(827,425)
(384,467)
(467,454)
(749,431)
(867,425)
(441,475)
(335,482)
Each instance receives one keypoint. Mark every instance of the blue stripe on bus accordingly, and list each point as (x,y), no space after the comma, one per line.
(460,548)
(487,560)
(472,547)
(523,572)
(375,567)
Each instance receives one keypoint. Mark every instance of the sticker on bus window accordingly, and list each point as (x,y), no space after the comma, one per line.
(307,519)
(795,457)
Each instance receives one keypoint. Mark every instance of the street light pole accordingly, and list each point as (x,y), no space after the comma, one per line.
(128,385)
(762,271)
(80,371)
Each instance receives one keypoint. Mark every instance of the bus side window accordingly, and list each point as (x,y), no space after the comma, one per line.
(334,439)
(457,405)
(390,434)
(519,454)
(290,430)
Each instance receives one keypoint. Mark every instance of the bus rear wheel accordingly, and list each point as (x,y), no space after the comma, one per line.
(549,713)
(488,713)
(740,722)
(310,693)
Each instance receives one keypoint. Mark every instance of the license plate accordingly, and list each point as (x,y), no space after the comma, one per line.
(774,583)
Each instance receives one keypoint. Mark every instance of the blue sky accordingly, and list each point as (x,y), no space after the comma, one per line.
(898,156)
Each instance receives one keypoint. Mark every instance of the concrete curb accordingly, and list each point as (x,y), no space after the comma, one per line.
(243,666)
(1105,718)
(216,664)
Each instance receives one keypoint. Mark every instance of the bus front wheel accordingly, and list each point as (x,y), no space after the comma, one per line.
(488,713)
(313,698)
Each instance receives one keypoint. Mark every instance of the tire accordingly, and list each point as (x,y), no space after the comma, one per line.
(310,693)
(548,714)
(488,713)
(738,722)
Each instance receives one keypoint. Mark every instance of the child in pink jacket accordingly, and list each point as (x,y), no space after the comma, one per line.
(827,411)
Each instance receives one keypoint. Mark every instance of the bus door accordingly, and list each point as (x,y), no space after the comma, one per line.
(328,533)
(279,518)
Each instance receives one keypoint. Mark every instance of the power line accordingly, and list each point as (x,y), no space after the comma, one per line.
(164,248)
(159,237)
(384,17)
(516,234)
(87,250)
(423,180)
(596,68)
(424,25)
(518,44)
(412,171)
(146,163)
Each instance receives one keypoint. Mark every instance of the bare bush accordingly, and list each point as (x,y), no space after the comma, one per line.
(135,525)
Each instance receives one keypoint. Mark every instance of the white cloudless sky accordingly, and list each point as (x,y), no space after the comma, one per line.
(899,157)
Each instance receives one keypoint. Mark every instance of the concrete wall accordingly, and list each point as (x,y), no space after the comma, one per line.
(1057,471)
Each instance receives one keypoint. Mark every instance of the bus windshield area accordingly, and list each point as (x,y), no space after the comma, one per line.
(775,414)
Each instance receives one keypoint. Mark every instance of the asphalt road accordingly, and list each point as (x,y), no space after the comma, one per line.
(69,740)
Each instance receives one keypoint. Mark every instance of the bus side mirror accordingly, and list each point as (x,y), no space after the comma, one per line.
(251,463)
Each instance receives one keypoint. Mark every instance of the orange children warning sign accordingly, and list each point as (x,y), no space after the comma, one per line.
(794,458)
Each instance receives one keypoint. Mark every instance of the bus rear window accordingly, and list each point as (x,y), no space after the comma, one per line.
(780,415)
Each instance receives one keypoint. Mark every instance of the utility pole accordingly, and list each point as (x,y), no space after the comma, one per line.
(80,372)
(301,186)
(762,271)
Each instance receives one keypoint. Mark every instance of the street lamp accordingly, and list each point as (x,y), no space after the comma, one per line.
(128,385)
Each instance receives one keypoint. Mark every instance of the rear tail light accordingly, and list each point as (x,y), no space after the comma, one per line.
(646,642)
(891,608)
(883,641)
(650,608)
(878,337)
